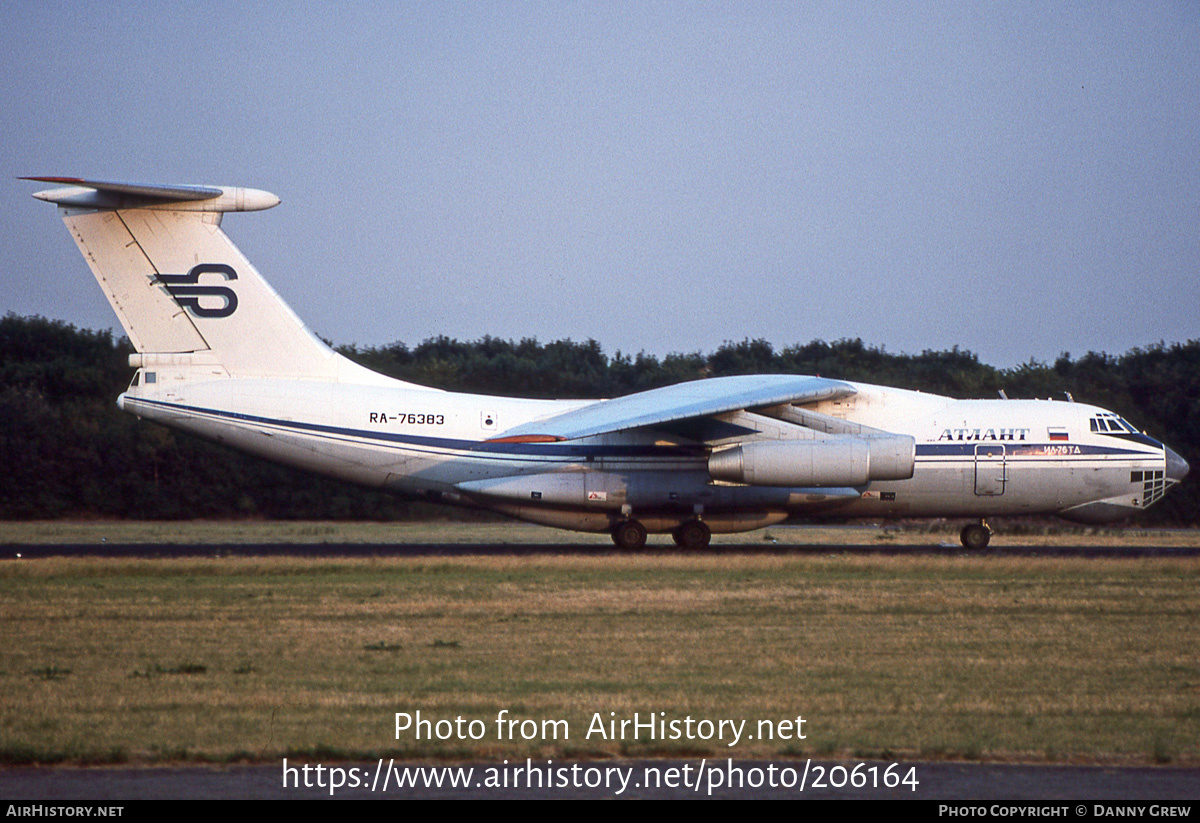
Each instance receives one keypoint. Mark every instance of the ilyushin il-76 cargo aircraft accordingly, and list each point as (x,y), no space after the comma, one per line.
(220,355)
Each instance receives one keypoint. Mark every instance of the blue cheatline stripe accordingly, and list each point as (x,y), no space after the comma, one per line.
(930,452)
(476,446)
(1017,449)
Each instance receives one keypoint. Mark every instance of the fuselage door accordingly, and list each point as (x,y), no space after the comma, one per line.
(990,470)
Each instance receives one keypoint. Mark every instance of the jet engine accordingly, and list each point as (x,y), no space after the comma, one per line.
(842,461)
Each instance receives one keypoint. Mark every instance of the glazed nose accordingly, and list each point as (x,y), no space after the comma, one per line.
(1177,467)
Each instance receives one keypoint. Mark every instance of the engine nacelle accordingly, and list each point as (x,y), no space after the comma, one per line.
(844,461)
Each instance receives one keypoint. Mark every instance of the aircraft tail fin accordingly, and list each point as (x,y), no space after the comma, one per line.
(177,283)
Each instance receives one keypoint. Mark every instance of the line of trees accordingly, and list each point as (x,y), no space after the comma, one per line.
(66,450)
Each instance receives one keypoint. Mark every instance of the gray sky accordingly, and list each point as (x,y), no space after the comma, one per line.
(1017,179)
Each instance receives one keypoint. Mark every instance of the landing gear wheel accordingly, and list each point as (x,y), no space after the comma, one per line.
(629,535)
(693,534)
(975,536)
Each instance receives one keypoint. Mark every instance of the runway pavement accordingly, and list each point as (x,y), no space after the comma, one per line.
(150,550)
(943,781)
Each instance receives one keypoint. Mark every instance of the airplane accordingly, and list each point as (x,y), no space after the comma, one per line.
(220,355)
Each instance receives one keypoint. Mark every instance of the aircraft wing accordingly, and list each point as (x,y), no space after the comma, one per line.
(683,401)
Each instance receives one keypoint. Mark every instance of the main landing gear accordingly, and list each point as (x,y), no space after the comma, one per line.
(630,535)
(694,534)
(976,535)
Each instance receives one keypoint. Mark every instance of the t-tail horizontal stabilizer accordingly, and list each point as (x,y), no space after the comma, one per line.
(103,194)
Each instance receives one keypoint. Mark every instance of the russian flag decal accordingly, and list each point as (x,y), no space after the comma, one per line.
(1057,433)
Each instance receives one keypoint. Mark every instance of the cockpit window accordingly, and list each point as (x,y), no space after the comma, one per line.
(1108,422)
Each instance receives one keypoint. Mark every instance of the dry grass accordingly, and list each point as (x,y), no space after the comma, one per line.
(1042,659)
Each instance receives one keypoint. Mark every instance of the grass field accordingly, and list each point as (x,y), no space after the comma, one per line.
(1054,659)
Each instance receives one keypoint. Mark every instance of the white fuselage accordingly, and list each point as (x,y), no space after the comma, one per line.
(974,458)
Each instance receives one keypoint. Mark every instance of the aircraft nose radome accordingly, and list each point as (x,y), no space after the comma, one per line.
(1177,467)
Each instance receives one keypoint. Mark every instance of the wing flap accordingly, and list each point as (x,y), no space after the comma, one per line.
(821,422)
(683,401)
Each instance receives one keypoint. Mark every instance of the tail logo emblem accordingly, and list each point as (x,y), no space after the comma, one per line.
(187,291)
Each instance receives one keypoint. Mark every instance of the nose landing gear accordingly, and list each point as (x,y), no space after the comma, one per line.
(976,535)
